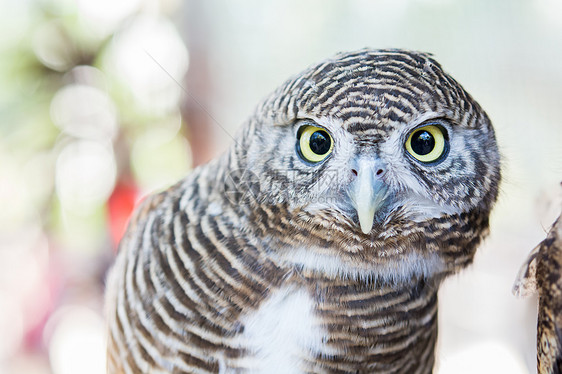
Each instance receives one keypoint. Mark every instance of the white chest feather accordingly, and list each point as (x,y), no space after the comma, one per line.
(282,332)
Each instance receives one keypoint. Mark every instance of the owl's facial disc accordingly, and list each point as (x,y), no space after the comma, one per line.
(367,192)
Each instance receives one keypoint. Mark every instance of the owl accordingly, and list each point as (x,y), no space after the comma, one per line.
(318,241)
(542,274)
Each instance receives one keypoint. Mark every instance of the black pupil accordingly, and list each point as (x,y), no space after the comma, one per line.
(422,142)
(320,142)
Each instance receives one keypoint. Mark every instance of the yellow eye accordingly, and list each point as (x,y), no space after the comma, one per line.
(314,143)
(427,144)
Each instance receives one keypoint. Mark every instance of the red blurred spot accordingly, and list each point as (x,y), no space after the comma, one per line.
(120,206)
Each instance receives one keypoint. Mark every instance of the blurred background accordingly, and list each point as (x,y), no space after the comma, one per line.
(102,102)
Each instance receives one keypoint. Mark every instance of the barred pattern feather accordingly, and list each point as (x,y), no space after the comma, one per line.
(257,262)
(542,274)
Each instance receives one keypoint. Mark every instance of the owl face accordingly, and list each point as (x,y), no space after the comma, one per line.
(380,152)
(374,181)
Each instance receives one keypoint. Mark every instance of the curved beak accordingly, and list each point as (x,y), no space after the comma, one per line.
(367,193)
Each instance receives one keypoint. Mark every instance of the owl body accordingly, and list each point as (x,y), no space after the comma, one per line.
(317,243)
(255,314)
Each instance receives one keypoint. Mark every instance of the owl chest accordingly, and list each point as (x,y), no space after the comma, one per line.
(283,335)
(293,331)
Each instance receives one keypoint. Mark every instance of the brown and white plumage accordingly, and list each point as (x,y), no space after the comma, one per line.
(542,273)
(329,266)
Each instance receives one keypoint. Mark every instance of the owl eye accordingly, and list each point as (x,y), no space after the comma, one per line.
(314,143)
(427,144)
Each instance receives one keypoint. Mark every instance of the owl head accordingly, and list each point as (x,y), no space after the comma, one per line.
(371,163)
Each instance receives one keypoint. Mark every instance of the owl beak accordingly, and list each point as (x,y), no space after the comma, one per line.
(367,193)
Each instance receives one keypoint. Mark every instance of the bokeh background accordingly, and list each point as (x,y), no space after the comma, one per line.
(103,101)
